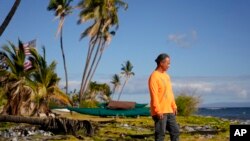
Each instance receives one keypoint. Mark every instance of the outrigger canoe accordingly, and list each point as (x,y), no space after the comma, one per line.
(112,112)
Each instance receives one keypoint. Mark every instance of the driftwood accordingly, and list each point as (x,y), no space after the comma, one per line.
(55,125)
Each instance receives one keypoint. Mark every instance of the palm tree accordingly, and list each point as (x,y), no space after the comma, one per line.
(62,8)
(9,16)
(116,82)
(46,83)
(103,13)
(28,90)
(16,81)
(127,73)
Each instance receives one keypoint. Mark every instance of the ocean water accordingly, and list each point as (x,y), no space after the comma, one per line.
(234,113)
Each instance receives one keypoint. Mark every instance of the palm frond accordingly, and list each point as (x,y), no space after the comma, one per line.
(60,96)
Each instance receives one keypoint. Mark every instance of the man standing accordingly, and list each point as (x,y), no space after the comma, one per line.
(162,104)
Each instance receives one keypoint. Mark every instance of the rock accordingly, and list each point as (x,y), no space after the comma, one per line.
(14,139)
(209,136)
(188,129)
(52,115)
(30,133)
(122,135)
(198,128)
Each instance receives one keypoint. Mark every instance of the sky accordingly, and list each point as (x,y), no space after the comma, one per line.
(208,42)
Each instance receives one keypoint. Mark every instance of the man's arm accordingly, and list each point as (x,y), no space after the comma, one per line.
(153,88)
(174,106)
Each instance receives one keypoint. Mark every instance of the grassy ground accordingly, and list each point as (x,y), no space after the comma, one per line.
(140,128)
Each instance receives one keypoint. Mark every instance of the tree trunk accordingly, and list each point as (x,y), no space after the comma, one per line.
(55,125)
(9,16)
(122,89)
(64,61)
(86,68)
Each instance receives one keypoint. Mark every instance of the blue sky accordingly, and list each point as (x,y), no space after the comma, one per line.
(208,42)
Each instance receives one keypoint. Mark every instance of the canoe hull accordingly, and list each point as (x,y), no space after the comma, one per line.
(110,112)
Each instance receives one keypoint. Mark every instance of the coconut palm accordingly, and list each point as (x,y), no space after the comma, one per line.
(28,90)
(9,16)
(127,73)
(16,81)
(103,13)
(46,83)
(116,82)
(62,8)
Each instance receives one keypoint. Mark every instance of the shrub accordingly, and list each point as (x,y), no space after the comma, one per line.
(186,104)
(88,104)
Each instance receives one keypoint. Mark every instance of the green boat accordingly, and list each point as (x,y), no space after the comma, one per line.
(137,105)
(110,112)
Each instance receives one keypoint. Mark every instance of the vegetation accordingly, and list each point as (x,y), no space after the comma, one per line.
(104,14)
(187,104)
(116,82)
(89,104)
(142,128)
(127,73)
(3,98)
(62,8)
(28,91)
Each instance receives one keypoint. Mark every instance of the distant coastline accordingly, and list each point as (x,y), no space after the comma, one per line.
(232,113)
(225,105)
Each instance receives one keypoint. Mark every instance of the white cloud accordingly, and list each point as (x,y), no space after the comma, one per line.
(183,39)
(210,89)
(193,86)
(72,85)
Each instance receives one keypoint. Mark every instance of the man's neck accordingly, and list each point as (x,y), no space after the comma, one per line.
(160,70)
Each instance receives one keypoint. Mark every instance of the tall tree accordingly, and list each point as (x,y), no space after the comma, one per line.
(27,90)
(104,14)
(62,8)
(127,73)
(116,82)
(46,81)
(16,86)
(9,16)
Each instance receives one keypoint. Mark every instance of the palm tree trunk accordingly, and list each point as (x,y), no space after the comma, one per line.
(92,44)
(122,88)
(64,61)
(9,16)
(98,60)
(113,92)
(93,65)
(90,50)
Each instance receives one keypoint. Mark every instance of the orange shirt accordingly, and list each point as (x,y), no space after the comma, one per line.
(161,93)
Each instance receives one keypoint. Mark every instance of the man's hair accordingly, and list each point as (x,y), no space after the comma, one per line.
(161,57)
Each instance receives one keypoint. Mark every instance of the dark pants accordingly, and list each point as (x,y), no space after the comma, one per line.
(167,123)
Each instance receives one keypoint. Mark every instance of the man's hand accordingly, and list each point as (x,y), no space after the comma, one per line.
(160,116)
(175,111)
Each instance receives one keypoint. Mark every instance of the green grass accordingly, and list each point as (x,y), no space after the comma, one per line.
(123,128)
